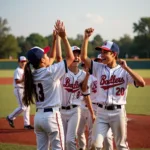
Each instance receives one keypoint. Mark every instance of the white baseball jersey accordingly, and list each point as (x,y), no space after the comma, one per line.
(112,83)
(71,91)
(92,89)
(18,74)
(46,84)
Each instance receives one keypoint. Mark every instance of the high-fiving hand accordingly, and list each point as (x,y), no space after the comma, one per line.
(60,29)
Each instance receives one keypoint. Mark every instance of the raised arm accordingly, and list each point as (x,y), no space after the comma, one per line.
(88,32)
(139,81)
(52,55)
(60,29)
(58,49)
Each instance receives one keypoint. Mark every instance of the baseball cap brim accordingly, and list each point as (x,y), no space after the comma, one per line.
(46,49)
(77,50)
(23,60)
(102,47)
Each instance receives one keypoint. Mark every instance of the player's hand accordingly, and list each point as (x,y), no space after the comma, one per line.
(88,32)
(122,63)
(60,29)
(93,118)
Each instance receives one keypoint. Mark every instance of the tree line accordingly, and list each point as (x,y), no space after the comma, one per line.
(139,46)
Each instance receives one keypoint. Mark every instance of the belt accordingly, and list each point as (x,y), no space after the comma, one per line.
(46,110)
(110,107)
(68,107)
(94,103)
(19,87)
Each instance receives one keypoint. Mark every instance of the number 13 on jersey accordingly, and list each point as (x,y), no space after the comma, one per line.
(39,93)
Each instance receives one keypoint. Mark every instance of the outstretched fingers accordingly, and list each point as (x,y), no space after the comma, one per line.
(60,28)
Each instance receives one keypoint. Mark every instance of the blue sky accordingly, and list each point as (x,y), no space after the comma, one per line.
(110,18)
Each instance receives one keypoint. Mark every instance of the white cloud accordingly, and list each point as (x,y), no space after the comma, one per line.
(94,18)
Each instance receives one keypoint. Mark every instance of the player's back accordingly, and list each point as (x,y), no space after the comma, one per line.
(47,85)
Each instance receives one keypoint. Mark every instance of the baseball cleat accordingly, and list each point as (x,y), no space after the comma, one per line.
(11,122)
(28,127)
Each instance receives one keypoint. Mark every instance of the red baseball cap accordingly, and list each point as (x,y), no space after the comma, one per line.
(109,46)
(22,59)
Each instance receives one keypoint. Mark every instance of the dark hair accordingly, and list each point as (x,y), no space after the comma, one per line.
(36,65)
(28,86)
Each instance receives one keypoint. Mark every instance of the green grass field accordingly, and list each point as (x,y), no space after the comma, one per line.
(138,100)
(4,146)
(8,101)
(6,73)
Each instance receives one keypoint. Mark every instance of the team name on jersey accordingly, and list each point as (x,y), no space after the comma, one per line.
(70,87)
(112,82)
(94,87)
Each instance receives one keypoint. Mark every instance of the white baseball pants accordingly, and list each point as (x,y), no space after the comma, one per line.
(116,119)
(19,95)
(70,119)
(85,120)
(49,130)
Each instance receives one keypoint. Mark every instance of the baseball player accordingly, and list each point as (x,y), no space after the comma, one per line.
(86,116)
(108,141)
(18,84)
(113,80)
(98,58)
(44,85)
(86,120)
(71,98)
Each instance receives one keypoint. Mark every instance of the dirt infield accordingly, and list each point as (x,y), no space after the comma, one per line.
(10,81)
(138,132)
(6,81)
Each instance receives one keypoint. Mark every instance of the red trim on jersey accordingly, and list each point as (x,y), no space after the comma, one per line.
(59,131)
